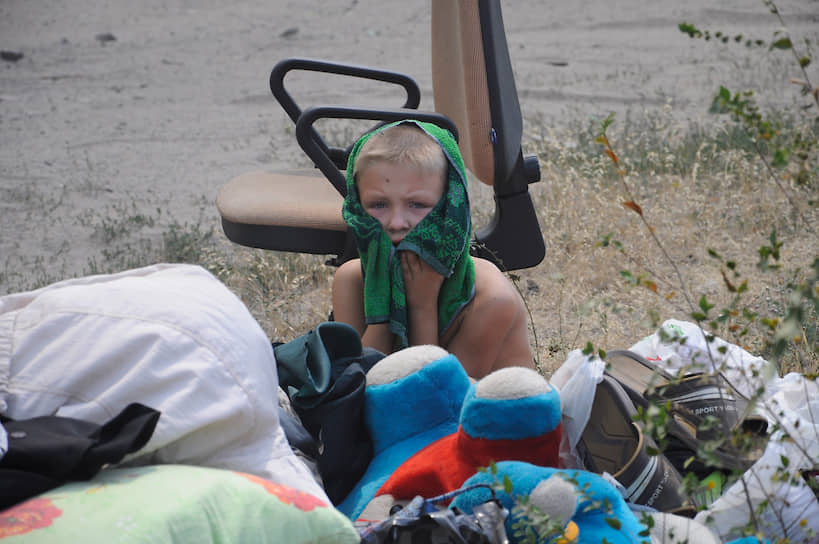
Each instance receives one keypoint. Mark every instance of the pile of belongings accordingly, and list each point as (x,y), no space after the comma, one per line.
(656,432)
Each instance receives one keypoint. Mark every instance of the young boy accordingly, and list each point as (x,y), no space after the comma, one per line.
(415,282)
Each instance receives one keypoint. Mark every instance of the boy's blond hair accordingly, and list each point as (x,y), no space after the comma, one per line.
(402,144)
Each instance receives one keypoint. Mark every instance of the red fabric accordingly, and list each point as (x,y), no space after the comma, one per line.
(444,465)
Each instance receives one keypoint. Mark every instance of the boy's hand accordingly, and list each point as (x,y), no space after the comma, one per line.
(422,283)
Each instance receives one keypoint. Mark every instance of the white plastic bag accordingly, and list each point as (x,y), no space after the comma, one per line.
(783,503)
(576,381)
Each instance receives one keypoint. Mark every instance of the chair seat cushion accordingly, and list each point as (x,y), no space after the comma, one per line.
(297,198)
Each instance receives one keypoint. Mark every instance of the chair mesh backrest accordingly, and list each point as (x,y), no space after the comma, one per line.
(459,81)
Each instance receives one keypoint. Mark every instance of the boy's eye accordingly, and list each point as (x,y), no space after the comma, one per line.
(378,204)
(419,205)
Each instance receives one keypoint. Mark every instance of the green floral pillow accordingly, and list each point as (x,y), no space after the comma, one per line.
(175,504)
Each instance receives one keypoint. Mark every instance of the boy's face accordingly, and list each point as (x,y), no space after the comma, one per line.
(398,196)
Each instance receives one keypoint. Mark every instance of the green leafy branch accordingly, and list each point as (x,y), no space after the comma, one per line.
(742,106)
(774,146)
(795,329)
(648,281)
(532,525)
(631,204)
(780,41)
(802,60)
(744,109)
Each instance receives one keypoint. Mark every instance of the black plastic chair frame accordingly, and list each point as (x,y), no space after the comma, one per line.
(512,239)
(285,99)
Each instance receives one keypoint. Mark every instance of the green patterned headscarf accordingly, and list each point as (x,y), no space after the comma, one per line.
(441,239)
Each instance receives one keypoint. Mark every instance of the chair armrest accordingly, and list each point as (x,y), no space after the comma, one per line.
(310,142)
(281,69)
(294,111)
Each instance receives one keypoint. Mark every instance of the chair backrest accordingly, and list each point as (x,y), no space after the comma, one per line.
(459,81)
(473,84)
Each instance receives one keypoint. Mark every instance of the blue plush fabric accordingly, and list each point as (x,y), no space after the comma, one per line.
(499,419)
(408,406)
(749,540)
(590,516)
(405,416)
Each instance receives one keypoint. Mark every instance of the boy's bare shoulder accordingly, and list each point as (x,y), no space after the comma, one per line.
(490,282)
(349,271)
(496,298)
(492,332)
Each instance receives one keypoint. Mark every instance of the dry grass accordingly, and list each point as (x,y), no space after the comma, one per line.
(581,294)
(287,293)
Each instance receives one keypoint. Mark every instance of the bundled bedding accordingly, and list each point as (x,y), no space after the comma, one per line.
(174,339)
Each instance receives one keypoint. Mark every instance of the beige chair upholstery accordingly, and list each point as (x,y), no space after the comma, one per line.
(459,81)
(290,199)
